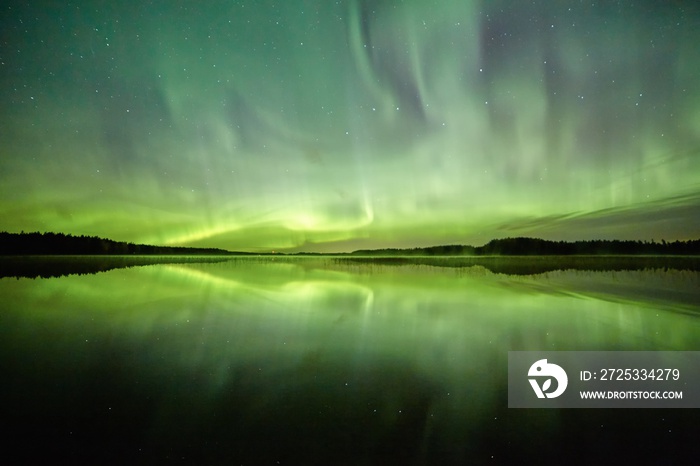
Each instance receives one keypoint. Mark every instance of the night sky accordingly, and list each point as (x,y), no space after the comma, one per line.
(322,125)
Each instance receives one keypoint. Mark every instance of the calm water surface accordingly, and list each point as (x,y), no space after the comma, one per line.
(316,361)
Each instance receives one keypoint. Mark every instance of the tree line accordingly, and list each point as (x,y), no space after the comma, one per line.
(65,244)
(61,244)
(539,247)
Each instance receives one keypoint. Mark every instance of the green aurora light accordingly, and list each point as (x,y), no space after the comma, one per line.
(332,126)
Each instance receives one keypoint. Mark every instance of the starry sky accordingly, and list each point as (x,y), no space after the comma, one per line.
(320,125)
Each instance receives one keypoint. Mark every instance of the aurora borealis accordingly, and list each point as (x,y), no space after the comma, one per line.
(337,125)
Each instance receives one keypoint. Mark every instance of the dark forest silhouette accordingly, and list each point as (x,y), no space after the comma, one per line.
(25,255)
(61,244)
(65,244)
(541,247)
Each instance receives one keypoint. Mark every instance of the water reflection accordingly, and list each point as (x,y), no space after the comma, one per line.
(57,266)
(313,361)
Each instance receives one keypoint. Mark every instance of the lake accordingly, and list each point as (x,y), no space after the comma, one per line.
(315,360)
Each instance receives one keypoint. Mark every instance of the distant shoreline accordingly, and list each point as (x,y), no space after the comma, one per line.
(47,266)
(52,244)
